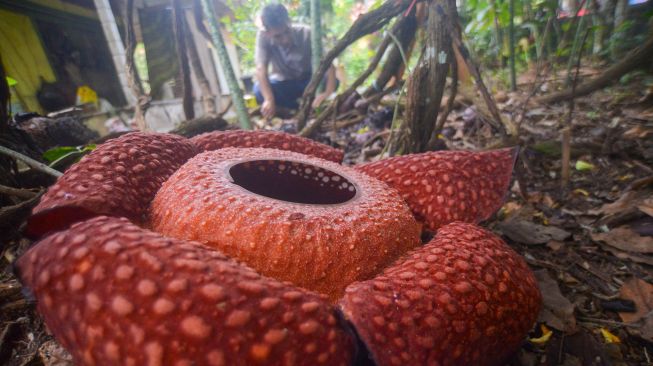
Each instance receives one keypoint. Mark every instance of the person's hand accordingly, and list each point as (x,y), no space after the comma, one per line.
(319,99)
(268,109)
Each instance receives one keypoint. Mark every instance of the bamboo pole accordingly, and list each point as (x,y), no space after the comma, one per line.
(223,56)
(511,31)
(316,36)
(178,26)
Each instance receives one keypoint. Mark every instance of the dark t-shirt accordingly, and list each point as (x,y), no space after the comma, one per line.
(287,64)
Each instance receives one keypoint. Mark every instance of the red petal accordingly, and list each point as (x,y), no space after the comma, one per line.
(269,139)
(463,299)
(446,186)
(115,294)
(119,178)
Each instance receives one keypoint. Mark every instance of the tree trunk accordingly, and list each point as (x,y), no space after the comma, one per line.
(208,99)
(620,10)
(182,55)
(223,56)
(316,35)
(426,84)
(513,71)
(639,57)
(404,31)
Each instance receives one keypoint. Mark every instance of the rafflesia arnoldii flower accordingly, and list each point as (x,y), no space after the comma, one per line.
(250,248)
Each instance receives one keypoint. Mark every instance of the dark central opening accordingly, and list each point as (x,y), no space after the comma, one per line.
(293,182)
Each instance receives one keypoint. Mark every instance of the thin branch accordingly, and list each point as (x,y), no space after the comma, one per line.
(30,162)
(364,25)
(464,53)
(310,129)
(566,133)
(17,192)
(450,103)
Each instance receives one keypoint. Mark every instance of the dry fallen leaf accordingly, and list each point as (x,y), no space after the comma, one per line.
(557,311)
(646,206)
(544,338)
(646,331)
(625,239)
(608,337)
(640,292)
(52,354)
(530,233)
(635,257)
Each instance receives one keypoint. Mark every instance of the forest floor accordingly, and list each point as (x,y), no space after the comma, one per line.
(589,241)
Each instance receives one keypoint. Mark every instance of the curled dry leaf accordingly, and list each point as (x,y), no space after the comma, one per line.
(640,292)
(530,233)
(625,239)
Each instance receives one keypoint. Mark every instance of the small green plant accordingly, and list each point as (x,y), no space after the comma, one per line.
(65,155)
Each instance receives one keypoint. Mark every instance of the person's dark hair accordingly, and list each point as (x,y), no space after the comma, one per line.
(274,16)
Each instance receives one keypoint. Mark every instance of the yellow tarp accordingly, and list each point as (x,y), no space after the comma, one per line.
(23,57)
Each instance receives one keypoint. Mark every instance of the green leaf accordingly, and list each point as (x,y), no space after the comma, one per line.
(11,81)
(582,166)
(58,152)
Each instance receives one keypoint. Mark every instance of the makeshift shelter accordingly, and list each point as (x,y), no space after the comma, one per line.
(53,47)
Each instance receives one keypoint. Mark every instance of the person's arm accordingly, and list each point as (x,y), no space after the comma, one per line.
(268,109)
(330,87)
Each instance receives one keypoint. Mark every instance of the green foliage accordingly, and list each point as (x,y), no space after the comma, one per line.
(140,60)
(486,24)
(58,155)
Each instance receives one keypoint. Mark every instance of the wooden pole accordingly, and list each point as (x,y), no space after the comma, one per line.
(223,56)
(179,29)
(208,99)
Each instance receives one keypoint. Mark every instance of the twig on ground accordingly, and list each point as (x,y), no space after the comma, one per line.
(17,192)
(566,156)
(566,132)
(608,322)
(30,162)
